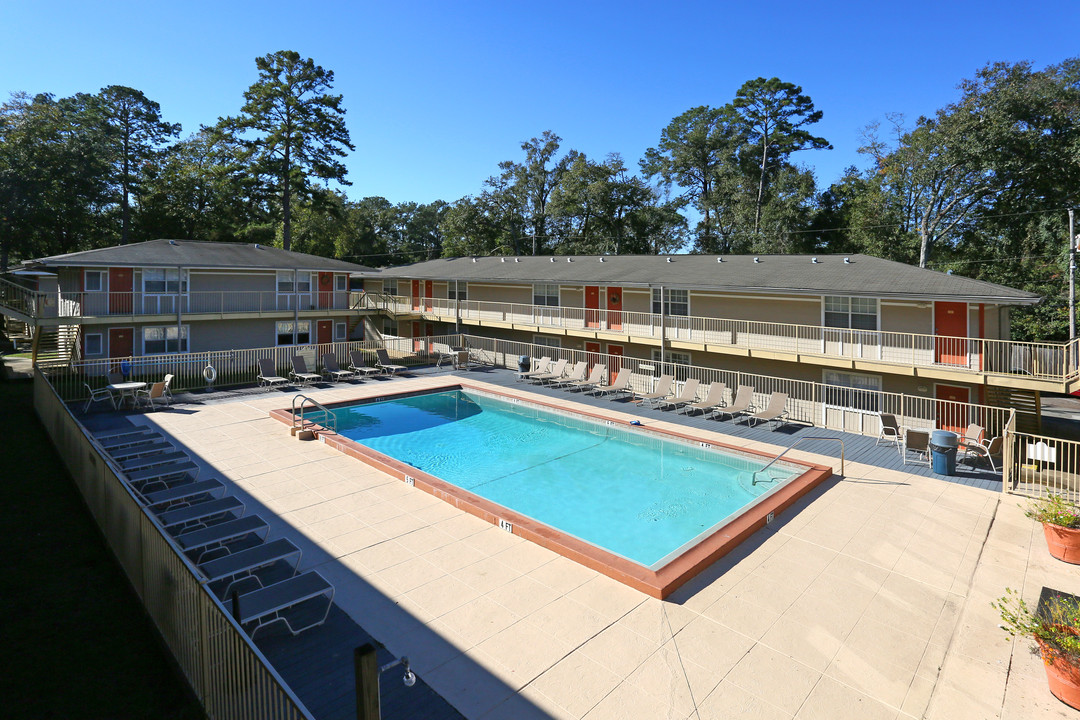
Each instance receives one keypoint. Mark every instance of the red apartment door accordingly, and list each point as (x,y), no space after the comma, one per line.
(421,291)
(427,296)
(121,342)
(324,331)
(592,306)
(418,333)
(415,294)
(120,280)
(592,353)
(951,329)
(952,416)
(614,306)
(326,290)
(617,352)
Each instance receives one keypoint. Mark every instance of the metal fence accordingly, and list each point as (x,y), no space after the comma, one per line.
(227,672)
(1037,465)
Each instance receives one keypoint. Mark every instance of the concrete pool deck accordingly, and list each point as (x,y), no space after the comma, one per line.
(869,598)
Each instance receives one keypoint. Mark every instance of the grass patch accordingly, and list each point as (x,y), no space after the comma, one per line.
(76,642)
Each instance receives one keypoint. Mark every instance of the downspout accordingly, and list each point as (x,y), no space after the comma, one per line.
(663,329)
(457,307)
(179,310)
(296,305)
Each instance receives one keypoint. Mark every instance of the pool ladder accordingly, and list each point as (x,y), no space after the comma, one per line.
(329,420)
(769,464)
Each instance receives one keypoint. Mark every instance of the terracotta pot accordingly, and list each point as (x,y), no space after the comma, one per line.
(1063,678)
(1063,542)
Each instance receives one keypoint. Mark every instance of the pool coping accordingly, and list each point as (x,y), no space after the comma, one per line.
(657,583)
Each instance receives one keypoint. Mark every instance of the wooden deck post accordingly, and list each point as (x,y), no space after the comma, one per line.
(367,683)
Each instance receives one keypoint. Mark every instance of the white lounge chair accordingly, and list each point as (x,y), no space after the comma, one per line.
(774,412)
(358,364)
(743,402)
(267,605)
(300,372)
(662,390)
(384,364)
(687,396)
(596,377)
(555,373)
(539,367)
(333,370)
(621,385)
(268,375)
(713,400)
(168,388)
(575,374)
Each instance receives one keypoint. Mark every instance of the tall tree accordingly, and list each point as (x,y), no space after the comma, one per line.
(529,184)
(298,129)
(136,135)
(774,116)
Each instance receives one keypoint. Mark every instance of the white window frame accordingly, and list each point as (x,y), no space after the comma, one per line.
(341,283)
(100,337)
(390,328)
(284,327)
(848,300)
(180,277)
(668,302)
(341,331)
(551,341)
(389,286)
(103,280)
(457,290)
(547,295)
(183,340)
(873,408)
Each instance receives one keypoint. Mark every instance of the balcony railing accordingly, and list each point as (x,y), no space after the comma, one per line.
(1046,360)
(127,304)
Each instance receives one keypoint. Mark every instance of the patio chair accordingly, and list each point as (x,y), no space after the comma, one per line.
(300,372)
(743,403)
(168,387)
(540,367)
(596,377)
(384,364)
(149,395)
(621,385)
(265,606)
(687,396)
(918,442)
(358,364)
(990,452)
(231,570)
(574,374)
(197,542)
(662,390)
(268,375)
(99,395)
(444,353)
(555,373)
(331,368)
(713,400)
(774,412)
(183,519)
(973,436)
(891,430)
(184,492)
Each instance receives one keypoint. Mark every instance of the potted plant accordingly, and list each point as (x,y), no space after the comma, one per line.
(1061,526)
(1055,628)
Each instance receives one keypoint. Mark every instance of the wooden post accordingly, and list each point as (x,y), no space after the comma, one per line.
(367,683)
(236,606)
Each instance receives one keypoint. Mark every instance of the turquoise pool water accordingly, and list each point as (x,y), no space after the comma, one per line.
(640,496)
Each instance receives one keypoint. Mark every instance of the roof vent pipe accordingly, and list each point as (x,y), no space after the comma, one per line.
(569,259)
(172,242)
(502,259)
(670,260)
(552,259)
(517,259)
(847,261)
(602,260)
(474,259)
(814,260)
(719,259)
(757,260)
(257,246)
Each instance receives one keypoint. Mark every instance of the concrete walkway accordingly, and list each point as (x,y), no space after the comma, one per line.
(868,599)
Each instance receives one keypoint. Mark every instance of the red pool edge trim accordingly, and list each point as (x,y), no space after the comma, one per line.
(656,583)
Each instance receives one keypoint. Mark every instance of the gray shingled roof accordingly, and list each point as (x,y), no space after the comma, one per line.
(196,254)
(791,274)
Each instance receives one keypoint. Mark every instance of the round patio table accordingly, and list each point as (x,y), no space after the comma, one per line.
(126,389)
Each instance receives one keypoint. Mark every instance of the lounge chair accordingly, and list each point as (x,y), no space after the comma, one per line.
(539,367)
(148,461)
(333,370)
(621,385)
(152,446)
(99,395)
(989,452)
(687,396)
(300,372)
(743,403)
(384,364)
(242,564)
(358,364)
(576,374)
(713,400)
(662,390)
(134,436)
(168,388)
(265,606)
(223,534)
(596,377)
(891,430)
(444,353)
(555,373)
(183,519)
(161,473)
(184,492)
(774,412)
(918,442)
(268,375)
(148,395)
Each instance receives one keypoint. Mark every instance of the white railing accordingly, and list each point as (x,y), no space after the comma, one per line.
(1036,465)
(1044,360)
(227,672)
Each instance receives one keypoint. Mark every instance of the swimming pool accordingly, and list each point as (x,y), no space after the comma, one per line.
(626,501)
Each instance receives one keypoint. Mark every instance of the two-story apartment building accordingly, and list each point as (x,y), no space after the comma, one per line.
(850,321)
(168,296)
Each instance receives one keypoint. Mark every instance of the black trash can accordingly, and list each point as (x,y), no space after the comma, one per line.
(943,446)
(524,362)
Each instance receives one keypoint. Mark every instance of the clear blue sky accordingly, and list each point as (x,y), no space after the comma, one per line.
(439,92)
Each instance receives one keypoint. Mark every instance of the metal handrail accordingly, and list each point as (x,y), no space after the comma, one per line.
(329,419)
(769,464)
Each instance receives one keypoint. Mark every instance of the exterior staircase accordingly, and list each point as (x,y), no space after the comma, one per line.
(61,343)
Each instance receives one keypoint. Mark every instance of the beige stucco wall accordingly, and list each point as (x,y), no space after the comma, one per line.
(907,318)
(216,281)
(765,308)
(637,300)
(487,292)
